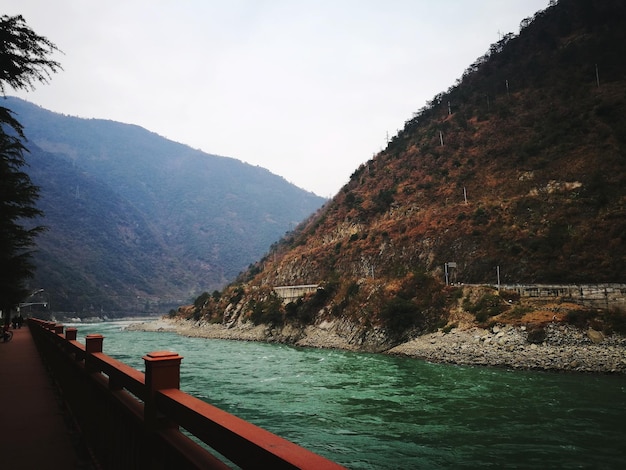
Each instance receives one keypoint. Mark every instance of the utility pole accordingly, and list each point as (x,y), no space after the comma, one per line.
(441,138)
(498,275)
(465,194)
(597,76)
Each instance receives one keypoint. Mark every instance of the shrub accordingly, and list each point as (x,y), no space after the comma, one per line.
(580,318)
(352,289)
(291,310)
(267,311)
(201,301)
(612,321)
(519,311)
(480,217)
(489,305)
(237,295)
(400,315)
(303,310)
(616,321)
(456,293)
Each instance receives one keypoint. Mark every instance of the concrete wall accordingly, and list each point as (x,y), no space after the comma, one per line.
(292,293)
(593,295)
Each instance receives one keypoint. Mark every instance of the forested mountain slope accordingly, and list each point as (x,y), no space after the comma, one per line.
(521,165)
(136,221)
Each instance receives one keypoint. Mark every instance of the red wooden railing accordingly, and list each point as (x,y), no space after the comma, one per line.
(131,420)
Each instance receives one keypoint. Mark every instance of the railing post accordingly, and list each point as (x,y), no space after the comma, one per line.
(162,372)
(58,329)
(93,344)
(70,334)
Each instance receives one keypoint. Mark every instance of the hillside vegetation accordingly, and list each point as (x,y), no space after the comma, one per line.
(519,165)
(138,223)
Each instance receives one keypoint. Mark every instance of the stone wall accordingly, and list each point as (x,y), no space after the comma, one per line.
(592,295)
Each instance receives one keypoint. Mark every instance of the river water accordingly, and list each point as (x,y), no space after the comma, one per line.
(372,411)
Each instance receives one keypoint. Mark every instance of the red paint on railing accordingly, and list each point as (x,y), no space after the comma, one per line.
(70,334)
(138,415)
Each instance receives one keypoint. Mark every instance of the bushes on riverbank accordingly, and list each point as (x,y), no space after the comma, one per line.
(607,321)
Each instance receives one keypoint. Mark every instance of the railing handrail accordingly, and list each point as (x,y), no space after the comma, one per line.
(248,444)
(243,443)
(122,374)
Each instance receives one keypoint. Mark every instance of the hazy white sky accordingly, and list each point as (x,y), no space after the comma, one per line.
(308,89)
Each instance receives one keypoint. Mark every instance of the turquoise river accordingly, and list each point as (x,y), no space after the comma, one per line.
(372,411)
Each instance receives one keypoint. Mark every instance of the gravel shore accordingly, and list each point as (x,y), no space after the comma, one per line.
(564,348)
(559,347)
(316,337)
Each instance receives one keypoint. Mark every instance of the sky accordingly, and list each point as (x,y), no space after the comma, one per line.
(308,89)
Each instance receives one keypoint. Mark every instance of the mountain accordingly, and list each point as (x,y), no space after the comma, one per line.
(137,222)
(518,168)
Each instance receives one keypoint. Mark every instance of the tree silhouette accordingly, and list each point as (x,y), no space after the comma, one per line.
(23,62)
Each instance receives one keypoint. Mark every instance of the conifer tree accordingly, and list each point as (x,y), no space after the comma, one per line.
(24,60)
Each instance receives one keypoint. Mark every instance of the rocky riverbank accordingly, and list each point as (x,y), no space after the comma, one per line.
(556,346)
(559,348)
(316,337)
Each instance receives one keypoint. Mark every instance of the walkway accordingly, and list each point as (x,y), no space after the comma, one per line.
(33,429)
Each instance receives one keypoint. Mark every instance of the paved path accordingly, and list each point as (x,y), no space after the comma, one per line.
(33,429)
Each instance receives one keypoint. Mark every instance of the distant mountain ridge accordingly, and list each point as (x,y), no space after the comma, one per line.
(518,170)
(136,220)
